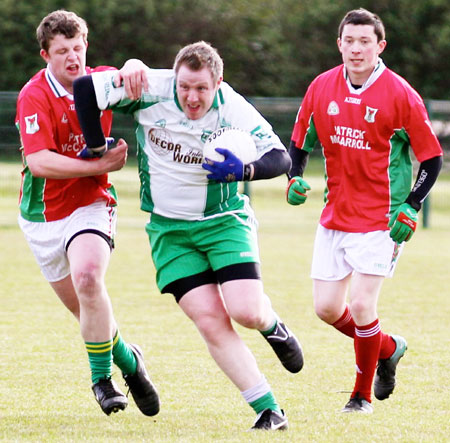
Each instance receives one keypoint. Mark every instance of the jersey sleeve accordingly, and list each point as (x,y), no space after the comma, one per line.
(33,120)
(423,140)
(244,115)
(304,134)
(107,94)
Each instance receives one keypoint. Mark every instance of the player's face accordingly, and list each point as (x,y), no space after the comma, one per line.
(66,58)
(196,91)
(360,49)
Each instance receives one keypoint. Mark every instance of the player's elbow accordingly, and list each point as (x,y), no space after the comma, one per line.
(35,165)
(272,164)
(286,162)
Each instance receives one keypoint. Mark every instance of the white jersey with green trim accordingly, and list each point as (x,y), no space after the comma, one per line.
(170,146)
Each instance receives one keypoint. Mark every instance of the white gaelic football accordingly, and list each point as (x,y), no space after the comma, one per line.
(239,142)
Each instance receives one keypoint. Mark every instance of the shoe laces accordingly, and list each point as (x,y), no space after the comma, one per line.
(107,387)
(132,382)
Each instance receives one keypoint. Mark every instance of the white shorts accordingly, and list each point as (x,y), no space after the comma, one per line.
(49,240)
(337,254)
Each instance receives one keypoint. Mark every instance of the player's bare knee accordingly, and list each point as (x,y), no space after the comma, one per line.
(359,308)
(211,326)
(87,282)
(326,313)
(250,318)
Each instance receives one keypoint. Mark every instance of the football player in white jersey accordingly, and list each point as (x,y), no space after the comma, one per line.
(202,230)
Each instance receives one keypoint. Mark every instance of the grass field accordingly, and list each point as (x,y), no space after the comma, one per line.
(45,391)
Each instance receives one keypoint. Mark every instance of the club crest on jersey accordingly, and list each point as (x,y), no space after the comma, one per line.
(370,114)
(333,108)
(32,125)
(205,135)
(64,118)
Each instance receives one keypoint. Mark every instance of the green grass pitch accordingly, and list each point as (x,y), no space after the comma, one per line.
(45,393)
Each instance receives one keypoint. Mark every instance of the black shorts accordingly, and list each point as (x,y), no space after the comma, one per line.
(239,271)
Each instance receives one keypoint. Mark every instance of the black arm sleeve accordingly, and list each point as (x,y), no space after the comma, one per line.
(271,164)
(299,159)
(426,177)
(88,112)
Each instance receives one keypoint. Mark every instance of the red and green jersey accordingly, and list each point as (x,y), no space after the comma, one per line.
(46,119)
(365,135)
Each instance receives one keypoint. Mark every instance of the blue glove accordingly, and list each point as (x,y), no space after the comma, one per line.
(231,169)
(96,152)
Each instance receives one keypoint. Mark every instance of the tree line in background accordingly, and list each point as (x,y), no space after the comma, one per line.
(270,47)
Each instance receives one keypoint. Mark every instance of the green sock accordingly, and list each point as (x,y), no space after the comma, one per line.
(270,330)
(123,356)
(100,359)
(267,401)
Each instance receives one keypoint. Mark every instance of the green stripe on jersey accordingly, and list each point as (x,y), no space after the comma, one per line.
(400,169)
(220,197)
(144,171)
(32,205)
(311,135)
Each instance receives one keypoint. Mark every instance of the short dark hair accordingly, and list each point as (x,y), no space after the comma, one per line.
(362,16)
(198,55)
(60,22)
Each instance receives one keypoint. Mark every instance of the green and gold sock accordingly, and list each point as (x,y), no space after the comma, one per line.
(100,359)
(123,356)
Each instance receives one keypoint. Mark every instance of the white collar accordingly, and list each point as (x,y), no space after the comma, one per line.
(378,70)
(57,88)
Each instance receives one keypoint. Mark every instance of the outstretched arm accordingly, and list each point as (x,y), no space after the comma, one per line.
(49,164)
(133,76)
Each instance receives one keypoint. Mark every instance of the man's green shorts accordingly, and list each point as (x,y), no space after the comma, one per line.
(182,248)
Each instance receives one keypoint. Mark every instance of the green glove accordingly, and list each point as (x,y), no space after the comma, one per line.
(403,223)
(296,191)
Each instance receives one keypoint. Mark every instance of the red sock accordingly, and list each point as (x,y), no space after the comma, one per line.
(346,325)
(387,347)
(367,349)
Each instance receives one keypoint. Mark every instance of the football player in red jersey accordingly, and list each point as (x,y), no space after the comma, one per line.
(67,208)
(366,119)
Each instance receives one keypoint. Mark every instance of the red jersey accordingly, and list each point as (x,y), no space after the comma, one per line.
(46,119)
(366,135)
